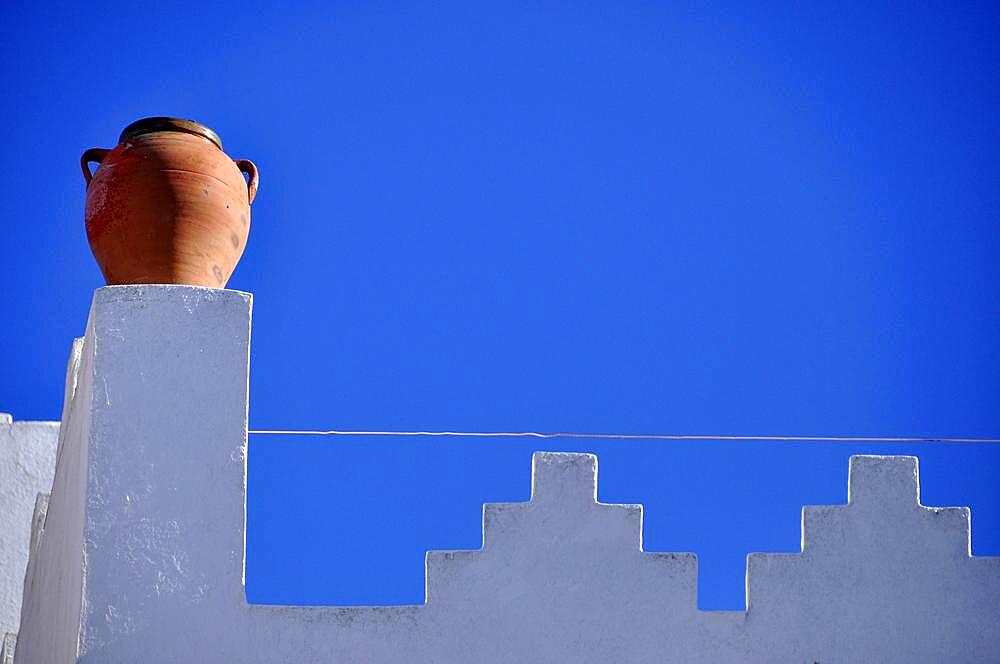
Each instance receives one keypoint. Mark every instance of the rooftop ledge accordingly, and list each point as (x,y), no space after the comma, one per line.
(139,556)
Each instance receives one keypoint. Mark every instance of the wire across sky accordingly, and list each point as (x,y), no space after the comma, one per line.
(623,436)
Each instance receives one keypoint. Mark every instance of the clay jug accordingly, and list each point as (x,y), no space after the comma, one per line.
(167,206)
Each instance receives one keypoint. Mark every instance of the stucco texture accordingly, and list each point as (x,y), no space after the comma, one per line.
(27,462)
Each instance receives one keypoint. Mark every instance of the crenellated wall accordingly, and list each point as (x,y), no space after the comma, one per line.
(140,553)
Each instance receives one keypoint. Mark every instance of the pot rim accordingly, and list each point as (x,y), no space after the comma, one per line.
(164,123)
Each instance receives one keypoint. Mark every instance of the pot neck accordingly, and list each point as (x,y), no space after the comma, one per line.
(151,125)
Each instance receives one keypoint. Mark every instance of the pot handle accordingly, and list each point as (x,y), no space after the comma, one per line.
(95,155)
(248,167)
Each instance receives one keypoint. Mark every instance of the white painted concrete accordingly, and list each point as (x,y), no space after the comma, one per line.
(893,580)
(7,647)
(150,565)
(50,614)
(27,462)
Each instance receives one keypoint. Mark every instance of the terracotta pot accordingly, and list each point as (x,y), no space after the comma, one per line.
(167,206)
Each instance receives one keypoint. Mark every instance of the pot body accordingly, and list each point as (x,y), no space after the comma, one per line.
(168,207)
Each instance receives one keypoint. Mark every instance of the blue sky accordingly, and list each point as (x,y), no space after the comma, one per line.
(592,216)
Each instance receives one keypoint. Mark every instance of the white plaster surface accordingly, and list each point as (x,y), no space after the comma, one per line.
(7,647)
(50,613)
(27,462)
(155,450)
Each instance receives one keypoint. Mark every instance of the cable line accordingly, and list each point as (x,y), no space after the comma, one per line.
(620,436)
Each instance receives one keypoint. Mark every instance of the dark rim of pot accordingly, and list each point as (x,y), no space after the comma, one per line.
(150,125)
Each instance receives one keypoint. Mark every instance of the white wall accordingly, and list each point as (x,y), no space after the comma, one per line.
(152,560)
(7,646)
(53,586)
(27,462)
